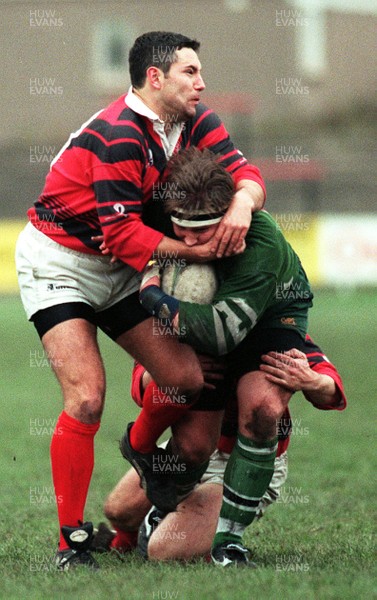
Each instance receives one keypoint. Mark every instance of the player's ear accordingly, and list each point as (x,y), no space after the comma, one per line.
(154,77)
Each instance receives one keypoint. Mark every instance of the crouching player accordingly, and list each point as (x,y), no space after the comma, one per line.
(188,532)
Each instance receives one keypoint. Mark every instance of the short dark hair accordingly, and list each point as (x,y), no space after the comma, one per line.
(200,183)
(157,48)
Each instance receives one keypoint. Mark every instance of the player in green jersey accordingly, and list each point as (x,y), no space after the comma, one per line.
(261,306)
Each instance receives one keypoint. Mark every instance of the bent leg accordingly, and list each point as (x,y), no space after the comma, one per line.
(188,532)
(194,439)
(251,465)
(260,406)
(177,376)
(127,504)
(126,507)
(196,435)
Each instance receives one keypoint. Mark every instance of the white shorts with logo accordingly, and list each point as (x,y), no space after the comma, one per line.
(51,274)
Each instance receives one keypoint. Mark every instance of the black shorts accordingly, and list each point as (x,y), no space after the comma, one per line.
(214,400)
(119,318)
(247,356)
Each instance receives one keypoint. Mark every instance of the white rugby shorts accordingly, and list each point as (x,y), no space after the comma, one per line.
(51,274)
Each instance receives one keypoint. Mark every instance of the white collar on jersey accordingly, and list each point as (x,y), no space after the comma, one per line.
(138,106)
(170,139)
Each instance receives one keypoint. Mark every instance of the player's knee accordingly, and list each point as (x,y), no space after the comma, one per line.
(91,409)
(157,551)
(171,546)
(261,421)
(195,452)
(121,513)
(112,510)
(86,403)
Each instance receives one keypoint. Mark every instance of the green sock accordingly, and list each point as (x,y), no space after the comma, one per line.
(247,476)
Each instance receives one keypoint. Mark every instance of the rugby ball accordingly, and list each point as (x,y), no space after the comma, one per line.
(190,282)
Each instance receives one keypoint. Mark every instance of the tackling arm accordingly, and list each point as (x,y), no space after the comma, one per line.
(318,379)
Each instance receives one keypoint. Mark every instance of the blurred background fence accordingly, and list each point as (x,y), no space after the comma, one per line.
(294,81)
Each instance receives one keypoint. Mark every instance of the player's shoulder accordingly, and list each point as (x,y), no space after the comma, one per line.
(118,120)
(205,114)
(263,227)
(204,122)
(263,217)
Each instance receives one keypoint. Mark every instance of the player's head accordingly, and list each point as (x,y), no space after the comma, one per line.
(199,193)
(157,49)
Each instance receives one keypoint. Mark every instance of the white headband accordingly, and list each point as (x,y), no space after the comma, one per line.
(196,219)
(193,224)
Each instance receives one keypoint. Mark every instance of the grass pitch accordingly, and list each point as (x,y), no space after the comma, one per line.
(316,543)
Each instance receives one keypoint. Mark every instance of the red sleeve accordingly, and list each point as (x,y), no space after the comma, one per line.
(118,187)
(137,374)
(327,368)
(241,169)
(131,241)
(210,132)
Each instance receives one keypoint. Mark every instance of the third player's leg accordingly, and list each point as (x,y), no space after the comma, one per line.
(188,532)
(127,504)
(196,435)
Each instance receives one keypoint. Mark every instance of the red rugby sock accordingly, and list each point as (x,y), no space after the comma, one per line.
(124,541)
(159,412)
(72,461)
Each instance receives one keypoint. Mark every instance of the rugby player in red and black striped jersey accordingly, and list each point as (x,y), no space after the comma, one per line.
(105,181)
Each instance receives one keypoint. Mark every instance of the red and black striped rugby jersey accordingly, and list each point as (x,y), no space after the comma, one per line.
(107,172)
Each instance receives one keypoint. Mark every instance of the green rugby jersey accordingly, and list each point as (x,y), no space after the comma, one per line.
(266,284)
